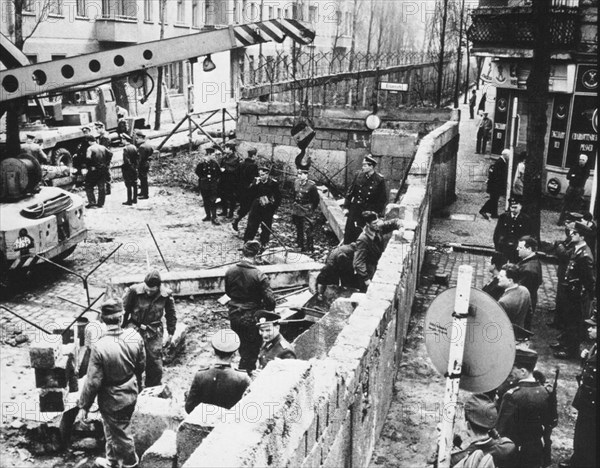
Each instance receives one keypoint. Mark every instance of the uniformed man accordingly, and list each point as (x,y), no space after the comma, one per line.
(249,290)
(338,269)
(492,287)
(511,226)
(220,384)
(516,300)
(145,305)
(563,251)
(79,156)
(129,170)
(580,279)
(367,193)
(145,151)
(525,411)
(370,246)
(530,271)
(248,173)
(229,183)
(104,140)
(481,415)
(209,173)
(266,198)
(114,375)
(577,177)
(306,201)
(586,438)
(96,161)
(35,150)
(274,346)
(496,184)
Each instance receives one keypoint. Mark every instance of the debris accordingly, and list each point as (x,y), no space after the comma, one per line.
(24,454)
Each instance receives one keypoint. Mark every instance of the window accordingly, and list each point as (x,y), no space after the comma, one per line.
(270,12)
(123,9)
(312,14)
(32,59)
(28,6)
(147,10)
(278,13)
(253,13)
(209,13)
(80,8)
(338,18)
(55,7)
(195,13)
(173,74)
(180,12)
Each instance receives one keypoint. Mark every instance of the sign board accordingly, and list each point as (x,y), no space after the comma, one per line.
(386,86)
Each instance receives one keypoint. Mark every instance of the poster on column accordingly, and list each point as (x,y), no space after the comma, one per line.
(558,130)
(583,139)
(500,120)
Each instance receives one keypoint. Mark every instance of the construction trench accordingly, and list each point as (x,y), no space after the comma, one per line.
(328,406)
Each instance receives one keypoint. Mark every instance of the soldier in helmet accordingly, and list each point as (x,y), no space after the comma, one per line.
(368,193)
(526,411)
(274,345)
(219,384)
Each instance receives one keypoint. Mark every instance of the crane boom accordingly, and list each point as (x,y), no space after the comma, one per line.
(45,77)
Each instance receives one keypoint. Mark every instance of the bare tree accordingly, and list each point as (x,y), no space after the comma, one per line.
(355,7)
(370,32)
(19,6)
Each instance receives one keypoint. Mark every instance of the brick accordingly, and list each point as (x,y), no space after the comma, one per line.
(45,351)
(52,400)
(59,376)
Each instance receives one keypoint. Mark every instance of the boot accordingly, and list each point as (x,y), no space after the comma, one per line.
(214,219)
(234,225)
(230,214)
(207,211)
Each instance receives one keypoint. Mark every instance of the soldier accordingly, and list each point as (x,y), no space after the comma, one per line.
(229,183)
(114,374)
(585,440)
(492,287)
(145,151)
(511,226)
(481,415)
(96,161)
(104,140)
(496,184)
(34,149)
(266,198)
(249,290)
(306,201)
(484,131)
(220,384)
(248,173)
(129,170)
(79,156)
(338,269)
(145,305)
(274,346)
(526,411)
(581,281)
(209,173)
(368,193)
(577,177)
(516,300)
(370,245)
(530,271)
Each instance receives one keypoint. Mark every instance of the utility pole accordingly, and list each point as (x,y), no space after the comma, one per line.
(459,56)
(468,63)
(438,98)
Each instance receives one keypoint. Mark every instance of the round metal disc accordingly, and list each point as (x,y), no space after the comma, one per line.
(489,350)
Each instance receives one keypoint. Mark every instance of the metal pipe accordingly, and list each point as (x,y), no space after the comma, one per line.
(275,236)
(157,247)
(25,320)
(81,314)
(76,303)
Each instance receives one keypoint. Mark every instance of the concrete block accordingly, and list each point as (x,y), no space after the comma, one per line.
(151,417)
(52,400)
(177,343)
(162,453)
(69,332)
(388,142)
(195,427)
(57,377)
(45,351)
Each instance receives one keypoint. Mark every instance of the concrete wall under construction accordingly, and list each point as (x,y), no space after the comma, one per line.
(330,409)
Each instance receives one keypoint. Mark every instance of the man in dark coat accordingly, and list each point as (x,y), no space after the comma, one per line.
(472,104)
(367,193)
(530,271)
(104,140)
(492,287)
(370,246)
(306,201)
(511,226)
(145,151)
(209,173)
(266,198)
(496,185)
(585,441)
(484,131)
(229,183)
(516,300)
(220,384)
(274,346)
(577,177)
(79,156)
(96,162)
(114,375)
(249,290)
(580,278)
(526,411)
(129,169)
(248,174)
(338,269)
(145,305)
